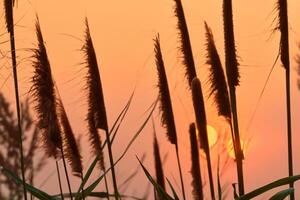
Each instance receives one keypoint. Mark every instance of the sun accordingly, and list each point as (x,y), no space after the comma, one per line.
(212,135)
(231,150)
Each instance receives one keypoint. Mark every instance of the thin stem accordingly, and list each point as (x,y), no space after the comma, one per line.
(82,189)
(111,160)
(289,128)
(180,172)
(66,173)
(239,152)
(59,181)
(14,63)
(106,186)
(210,175)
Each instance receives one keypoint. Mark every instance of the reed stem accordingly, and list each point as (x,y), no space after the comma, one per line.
(82,189)
(180,171)
(239,152)
(210,176)
(106,186)
(59,180)
(289,128)
(111,160)
(66,172)
(15,74)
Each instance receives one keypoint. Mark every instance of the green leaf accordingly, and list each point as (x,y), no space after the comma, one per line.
(90,188)
(270,186)
(117,123)
(86,177)
(282,194)
(173,190)
(34,191)
(121,118)
(160,191)
(97,194)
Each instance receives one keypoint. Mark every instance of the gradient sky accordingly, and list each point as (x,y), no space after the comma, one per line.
(123,33)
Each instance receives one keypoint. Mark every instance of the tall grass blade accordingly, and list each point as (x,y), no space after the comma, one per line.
(283,194)
(34,191)
(270,186)
(160,191)
(173,190)
(97,181)
(116,123)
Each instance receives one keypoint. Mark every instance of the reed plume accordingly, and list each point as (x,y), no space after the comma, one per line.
(232,64)
(195,171)
(71,150)
(217,80)
(233,76)
(185,46)
(284,30)
(43,91)
(199,109)
(285,59)
(160,178)
(45,97)
(95,140)
(8,7)
(95,93)
(97,118)
(165,107)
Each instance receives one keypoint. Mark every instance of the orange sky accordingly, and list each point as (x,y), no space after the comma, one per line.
(122,32)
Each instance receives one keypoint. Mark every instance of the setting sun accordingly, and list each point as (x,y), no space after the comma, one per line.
(231,150)
(212,135)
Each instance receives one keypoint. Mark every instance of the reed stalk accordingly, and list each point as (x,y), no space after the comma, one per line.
(66,173)
(199,109)
(195,171)
(285,59)
(8,5)
(232,72)
(167,116)
(59,180)
(96,107)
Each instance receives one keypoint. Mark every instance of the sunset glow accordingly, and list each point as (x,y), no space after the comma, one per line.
(230,149)
(119,56)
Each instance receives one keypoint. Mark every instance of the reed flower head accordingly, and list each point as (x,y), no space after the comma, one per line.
(218,85)
(43,91)
(199,109)
(185,48)
(167,118)
(71,151)
(96,105)
(232,64)
(195,171)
